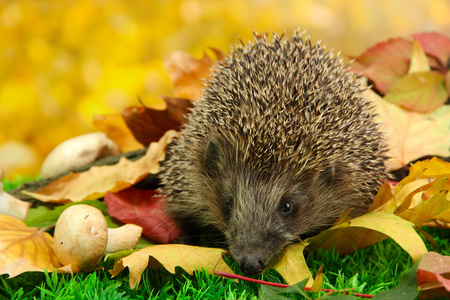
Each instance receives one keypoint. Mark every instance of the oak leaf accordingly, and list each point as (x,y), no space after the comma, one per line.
(144,208)
(24,249)
(369,229)
(189,258)
(94,184)
(292,265)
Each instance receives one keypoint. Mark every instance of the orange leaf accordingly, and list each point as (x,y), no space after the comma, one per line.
(24,249)
(190,258)
(94,184)
(114,126)
(188,73)
(430,273)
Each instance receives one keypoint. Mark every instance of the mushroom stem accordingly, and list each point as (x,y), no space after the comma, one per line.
(123,238)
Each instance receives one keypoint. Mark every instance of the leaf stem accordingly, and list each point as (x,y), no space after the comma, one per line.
(234,276)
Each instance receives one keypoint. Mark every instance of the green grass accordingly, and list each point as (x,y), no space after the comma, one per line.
(370,270)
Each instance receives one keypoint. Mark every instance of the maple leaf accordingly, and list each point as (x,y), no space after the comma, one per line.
(188,73)
(146,209)
(24,249)
(190,258)
(95,182)
(148,125)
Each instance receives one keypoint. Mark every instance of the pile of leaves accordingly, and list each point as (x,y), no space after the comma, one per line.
(411,87)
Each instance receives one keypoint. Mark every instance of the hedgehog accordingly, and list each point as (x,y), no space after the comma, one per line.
(280,145)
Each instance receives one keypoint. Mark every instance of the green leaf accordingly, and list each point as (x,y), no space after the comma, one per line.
(406,289)
(421,91)
(275,293)
(45,217)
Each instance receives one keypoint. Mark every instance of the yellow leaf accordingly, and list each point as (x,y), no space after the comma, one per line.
(292,265)
(419,60)
(190,258)
(94,184)
(24,249)
(114,126)
(368,229)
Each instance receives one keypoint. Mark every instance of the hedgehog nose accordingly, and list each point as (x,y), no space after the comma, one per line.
(252,265)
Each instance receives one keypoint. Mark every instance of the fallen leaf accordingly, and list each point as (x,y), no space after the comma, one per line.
(412,135)
(385,63)
(419,60)
(292,265)
(421,91)
(114,126)
(11,206)
(95,182)
(188,73)
(149,125)
(430,275)
(146,209)
(369,229)
(435,44)
(24,249)
(190,258)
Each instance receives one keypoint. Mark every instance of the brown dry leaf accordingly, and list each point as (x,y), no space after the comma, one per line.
(94,183)
(292,265)
(188,73)
(412,135)
(114,126)
(149,125)
(190,258)
(24,249)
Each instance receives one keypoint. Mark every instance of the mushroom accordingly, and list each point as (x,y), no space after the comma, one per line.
(82,237)
(76,152)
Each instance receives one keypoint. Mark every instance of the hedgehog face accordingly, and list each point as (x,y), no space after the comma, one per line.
(263,209)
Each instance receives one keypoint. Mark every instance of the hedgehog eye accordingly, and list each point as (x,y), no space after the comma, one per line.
(286,208)
(228,202)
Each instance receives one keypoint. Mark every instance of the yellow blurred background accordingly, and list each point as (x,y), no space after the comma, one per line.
(61,62)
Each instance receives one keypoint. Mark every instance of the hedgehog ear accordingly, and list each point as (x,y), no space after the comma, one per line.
(212,157)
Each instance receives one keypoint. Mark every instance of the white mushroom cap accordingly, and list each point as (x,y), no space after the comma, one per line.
(76,152)
(81,236)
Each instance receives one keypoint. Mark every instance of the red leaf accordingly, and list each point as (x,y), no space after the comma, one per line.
(146,209)
(435,44)
(432,269)
(385,63)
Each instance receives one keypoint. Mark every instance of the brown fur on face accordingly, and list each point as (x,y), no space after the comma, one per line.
(280,145)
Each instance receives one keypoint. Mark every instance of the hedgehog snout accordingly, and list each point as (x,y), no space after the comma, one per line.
(252,264)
